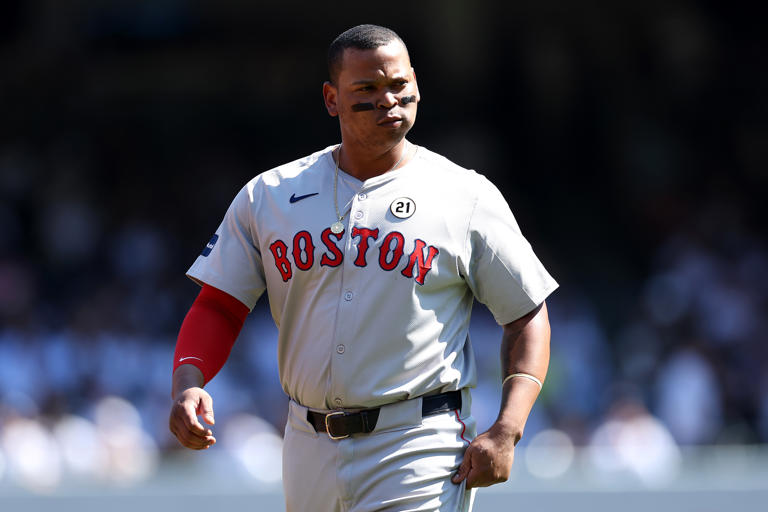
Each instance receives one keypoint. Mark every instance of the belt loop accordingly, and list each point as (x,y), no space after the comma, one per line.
(466,402)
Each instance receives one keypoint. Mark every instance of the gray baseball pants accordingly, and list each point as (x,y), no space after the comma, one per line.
(405,464)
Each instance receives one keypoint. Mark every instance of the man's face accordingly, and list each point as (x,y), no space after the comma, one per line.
(375,96)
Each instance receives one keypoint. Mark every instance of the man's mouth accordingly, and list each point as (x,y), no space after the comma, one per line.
(389,120)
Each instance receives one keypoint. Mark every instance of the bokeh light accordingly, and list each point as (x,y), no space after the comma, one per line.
(550,454)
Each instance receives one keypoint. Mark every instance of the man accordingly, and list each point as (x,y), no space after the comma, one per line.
(372,252)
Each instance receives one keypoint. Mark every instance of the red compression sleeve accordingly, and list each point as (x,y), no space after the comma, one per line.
(209,331)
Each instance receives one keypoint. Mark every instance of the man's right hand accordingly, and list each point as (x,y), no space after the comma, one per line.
(189,401)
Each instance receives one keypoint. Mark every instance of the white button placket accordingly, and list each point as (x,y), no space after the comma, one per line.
(347,301)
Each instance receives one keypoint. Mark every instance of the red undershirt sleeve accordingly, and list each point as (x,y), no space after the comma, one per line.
(209,331)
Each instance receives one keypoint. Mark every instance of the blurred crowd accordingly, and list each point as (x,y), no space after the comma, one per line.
(88,332)
(650,217)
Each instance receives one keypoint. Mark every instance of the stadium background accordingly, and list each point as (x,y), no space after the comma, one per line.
(630,139)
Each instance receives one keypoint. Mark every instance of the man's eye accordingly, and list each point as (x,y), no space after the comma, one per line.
(366,88)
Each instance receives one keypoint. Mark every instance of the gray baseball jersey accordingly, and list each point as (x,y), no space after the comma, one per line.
(380,312)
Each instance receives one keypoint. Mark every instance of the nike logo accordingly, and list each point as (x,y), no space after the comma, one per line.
(190,357)
(294,198)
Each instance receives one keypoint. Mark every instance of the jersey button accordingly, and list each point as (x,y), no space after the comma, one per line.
(361,196)
(339,349)
(358,215)
(348,296)
(338,401)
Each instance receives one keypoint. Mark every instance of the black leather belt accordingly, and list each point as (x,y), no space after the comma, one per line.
(342,424)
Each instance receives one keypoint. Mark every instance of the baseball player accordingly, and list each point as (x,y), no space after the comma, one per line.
(372,252)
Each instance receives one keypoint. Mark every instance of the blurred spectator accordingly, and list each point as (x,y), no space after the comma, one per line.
(688,398)
(632,441)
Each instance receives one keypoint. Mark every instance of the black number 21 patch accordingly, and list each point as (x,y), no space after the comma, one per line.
(402,207)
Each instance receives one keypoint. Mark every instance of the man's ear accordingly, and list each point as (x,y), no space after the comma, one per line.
(330,95)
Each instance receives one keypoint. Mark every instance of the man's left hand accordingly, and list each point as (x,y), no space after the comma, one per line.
(488,459)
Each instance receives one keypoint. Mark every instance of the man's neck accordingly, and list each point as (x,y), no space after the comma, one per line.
(363,165)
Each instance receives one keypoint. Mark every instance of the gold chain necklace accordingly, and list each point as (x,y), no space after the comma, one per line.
(337,227)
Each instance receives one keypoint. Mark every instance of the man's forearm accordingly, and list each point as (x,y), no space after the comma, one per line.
(524,349)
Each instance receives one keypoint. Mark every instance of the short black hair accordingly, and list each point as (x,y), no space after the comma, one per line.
(361,37)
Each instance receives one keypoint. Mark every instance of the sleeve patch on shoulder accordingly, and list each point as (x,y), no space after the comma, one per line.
(209,246)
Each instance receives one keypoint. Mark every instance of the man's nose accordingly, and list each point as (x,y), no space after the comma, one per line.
(388,101)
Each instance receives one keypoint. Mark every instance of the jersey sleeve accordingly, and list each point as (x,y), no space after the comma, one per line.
(231,261)
(504,273)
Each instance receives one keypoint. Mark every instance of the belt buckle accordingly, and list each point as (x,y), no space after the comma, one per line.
(328,426)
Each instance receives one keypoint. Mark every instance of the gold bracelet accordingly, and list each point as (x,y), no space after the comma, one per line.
(523,375)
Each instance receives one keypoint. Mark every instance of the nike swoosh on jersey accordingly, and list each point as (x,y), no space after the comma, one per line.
(294,198)
(190,357)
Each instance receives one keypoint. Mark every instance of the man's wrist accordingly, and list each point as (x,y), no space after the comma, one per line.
(508,429)
(185,377)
